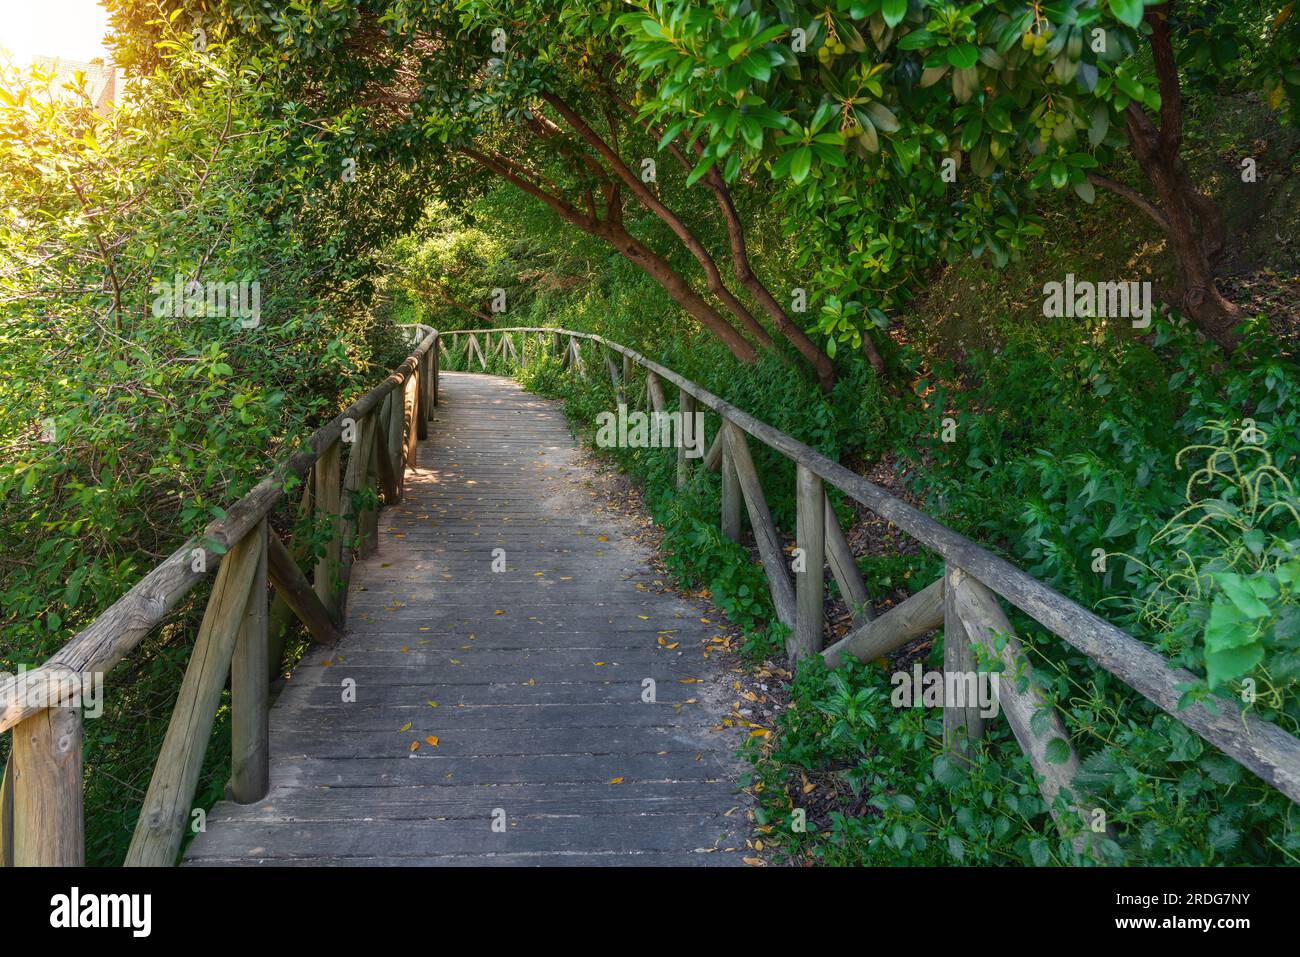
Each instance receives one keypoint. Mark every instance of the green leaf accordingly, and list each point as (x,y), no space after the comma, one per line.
(1221,666)
(916,40)
(964,56)
(1128,12)
(883,118)
(893,11)
(701,168)
(1057,751)
(1242,594)
(800,164)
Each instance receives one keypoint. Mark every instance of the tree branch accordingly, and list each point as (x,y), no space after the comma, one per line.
(1133,196)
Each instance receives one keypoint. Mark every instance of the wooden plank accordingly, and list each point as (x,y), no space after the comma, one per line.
(713,458)
(961,725)
(732,498)
(385,469)
(355,480)
(7,815)
(410,409)
(368,522)
(620,394)
(810,587)
(685,439)
(397,439)
(656,390)
(166,809)
(293,587)
(281,615)
(329,513)
(906,621)
(760,520)
(433,379)
(48,826)
(250,749)
(422,399)
(984,621)
(844,568)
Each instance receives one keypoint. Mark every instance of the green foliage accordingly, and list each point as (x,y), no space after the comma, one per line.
(127,427)
(867,115)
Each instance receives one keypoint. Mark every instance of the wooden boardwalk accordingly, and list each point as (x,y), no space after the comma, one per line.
(530,679)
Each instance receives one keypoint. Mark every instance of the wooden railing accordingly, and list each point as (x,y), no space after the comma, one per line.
(41,814)
(964,601)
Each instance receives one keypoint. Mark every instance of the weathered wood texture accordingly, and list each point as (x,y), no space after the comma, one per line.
(810,579)
(917,615)
(250,756)
(760,520)
(166,810)
(48,826)
(537,671)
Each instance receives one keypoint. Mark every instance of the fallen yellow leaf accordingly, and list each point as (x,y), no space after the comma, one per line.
(404,728)
(432,740)
(415,745)
(615,780)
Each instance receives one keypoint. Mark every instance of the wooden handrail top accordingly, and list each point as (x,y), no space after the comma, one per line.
(1259,745)
(116,631)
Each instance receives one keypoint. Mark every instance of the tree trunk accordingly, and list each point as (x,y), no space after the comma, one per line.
(674,222)
(612,231)
(820,361)
(662,272)
(1191,220)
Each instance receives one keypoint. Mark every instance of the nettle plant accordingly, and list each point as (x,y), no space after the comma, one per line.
(1227,600)
(926,96)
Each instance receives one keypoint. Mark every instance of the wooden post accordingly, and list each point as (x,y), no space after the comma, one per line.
(48,827)
(396,441)
(437,372)
(686,436)
(844,567)
(281,615)
(7,814)
(620,394)
(1033,720)
(292,586)
(760,520)
(410,396)
(422,397)
(250,746)
(658,402)
(166,809)
(368,522)
(731,495)
(909,619)
(810,537)
(959,661)
(328,508)
(713,458)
